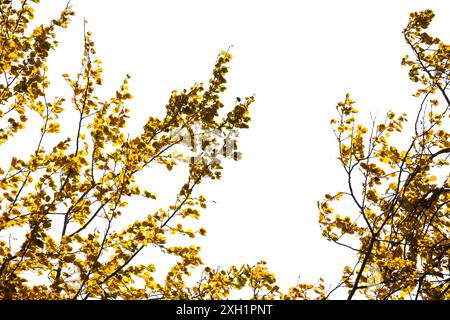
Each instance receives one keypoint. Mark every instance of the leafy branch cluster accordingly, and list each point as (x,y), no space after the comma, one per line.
(401,226)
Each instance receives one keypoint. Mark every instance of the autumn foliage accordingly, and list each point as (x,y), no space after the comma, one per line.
(398,184)
(63,202)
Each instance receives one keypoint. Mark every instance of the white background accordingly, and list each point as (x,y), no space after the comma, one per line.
(299,58)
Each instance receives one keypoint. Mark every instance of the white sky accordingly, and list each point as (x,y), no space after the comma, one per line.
(299,58)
